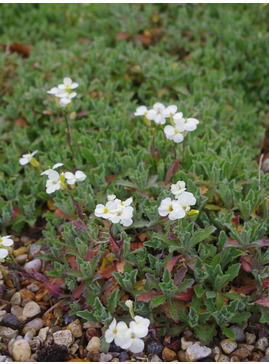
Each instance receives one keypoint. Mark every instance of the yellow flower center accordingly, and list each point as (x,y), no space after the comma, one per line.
(170,208)
(132,335)
(1,240)
(115,331)
(176,131)
(105,210)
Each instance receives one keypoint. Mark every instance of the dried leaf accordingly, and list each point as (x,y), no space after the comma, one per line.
(147,296)
(123,36)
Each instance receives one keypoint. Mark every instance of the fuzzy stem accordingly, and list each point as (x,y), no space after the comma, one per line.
(68,134)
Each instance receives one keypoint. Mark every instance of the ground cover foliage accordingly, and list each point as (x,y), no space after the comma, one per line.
(205,271)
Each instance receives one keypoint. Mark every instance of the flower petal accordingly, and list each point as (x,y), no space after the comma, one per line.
(137,346)
(3,253)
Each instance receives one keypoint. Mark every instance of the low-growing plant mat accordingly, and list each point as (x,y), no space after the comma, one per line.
(203,278)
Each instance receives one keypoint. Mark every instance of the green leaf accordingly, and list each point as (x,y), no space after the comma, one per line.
(240,317)
(264,317)
(157,301)
(199,291)
(201,235)
(86,315)
(228,332)
(113,301)
(205,333)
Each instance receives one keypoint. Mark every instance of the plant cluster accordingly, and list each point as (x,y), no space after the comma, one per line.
(179,229)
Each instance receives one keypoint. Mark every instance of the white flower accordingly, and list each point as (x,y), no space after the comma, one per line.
(157,113)
(55,91)
(117,332)
(6,241)
(68,85)
(3,253)
(116,211)
(105,211)
(66,100)
(129,304)
(178,188)
(26,158)
(47,172)
(111,197)
(133,342)
(53,182)
(141,111)
(175,132)
(170,111)
(140,326)
(186,199)
(190,124)
(177,116)
(73,178)
(122,215)
(171,208)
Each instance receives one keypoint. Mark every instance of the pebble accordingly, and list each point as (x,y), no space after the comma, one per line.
(11,321)
(185,343)
(93,356)
(234,358)
(17,311)
(10,345)
(262,344)
(75,328)
(196,352)
(35,344)
(113,348)
(181,355)
(216,350)
(91,324)
(74,348)
(2,314)
(26,294)
(124,356)
(242,352)
(94,344)
(21,350)
(265,359)
(2,358)
(153,358)
(115,359)
(267,352)
(63,337)
(36,324)
(221,358)
(154,347)
(239,332)
(35,264)
(21,259)
(68,319)
(105,357)
(228,346)
(28,329)
(33,287)
(43,334)
(35,249)
(8,333)
(263,331)
(250,338)
(29,334)
(24,239)
(31,309)
(16,298)
(20,251)
(168,355)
